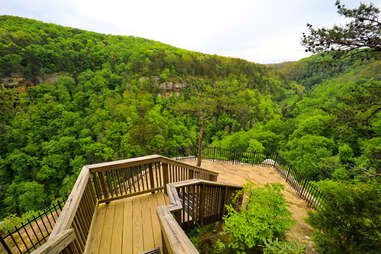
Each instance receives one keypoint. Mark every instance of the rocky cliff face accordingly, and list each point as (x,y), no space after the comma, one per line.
(18,80)
(168,88)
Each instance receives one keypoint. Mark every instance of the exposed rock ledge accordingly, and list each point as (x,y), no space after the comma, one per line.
(18,80)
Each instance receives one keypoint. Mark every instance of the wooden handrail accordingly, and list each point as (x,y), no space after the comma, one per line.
(104,182)
(191,202)
(173,235)
(141,160)
(72,203)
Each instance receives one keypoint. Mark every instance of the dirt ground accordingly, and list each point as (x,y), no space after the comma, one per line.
(240,173)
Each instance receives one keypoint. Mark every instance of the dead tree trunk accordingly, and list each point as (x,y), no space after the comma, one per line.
(200,141)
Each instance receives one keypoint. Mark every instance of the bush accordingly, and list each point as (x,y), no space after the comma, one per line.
(283,247)
(350,220)
(12,220)
(265,217)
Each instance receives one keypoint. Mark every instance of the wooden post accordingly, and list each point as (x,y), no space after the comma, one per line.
(103,184)
(202,204)
(165,176)
(223,200)
(150,172)
(301,192)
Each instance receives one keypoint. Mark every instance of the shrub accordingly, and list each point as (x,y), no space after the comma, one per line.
(12,220)
(349,221)
(283,247)
(265,217)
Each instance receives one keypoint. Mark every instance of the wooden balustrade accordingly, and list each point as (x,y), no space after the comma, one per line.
(191,202)
(105,182)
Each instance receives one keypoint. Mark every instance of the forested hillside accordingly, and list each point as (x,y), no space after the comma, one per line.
(329,129)
(72,97)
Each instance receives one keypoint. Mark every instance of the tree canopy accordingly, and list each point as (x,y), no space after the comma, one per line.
(362,31)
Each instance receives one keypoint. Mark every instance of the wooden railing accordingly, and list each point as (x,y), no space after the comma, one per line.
(191,202)
(104,182)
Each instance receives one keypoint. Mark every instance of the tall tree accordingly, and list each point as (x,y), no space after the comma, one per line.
(207,100)
(362,31)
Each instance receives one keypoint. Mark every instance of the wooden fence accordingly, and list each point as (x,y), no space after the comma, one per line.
(304,187)
(192,202)
(28,236)
(105,182)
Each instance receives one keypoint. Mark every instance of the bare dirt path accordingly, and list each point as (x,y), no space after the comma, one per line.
(240,173)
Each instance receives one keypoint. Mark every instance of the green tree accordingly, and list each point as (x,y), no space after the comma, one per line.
(363,31)
(264,217)
(349,221)
(306,153)
(207,100)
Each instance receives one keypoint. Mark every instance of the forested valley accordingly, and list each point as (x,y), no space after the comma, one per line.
(71,97)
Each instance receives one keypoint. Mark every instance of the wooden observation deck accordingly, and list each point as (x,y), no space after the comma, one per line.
(136,205)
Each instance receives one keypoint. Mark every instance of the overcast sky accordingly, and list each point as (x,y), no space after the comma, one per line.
(263,31)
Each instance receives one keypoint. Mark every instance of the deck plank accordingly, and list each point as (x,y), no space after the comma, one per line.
(107,229)
(95,234)
(117,234)
(127,227)
(159,200)
(155,222)
(148,240)
(137,240)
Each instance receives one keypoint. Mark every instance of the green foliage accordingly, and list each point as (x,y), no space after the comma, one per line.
(25,195)
(361,31)
(109,100)
(306,153)
(220,247)
(345,153)
(253,140)
(255,146)
(103,100)
(12,220)
(372,151)
(331,132)
(195,233)
(265,217)
(349,221)
(283,247)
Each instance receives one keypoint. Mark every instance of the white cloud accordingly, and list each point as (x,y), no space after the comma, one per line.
(263,31)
